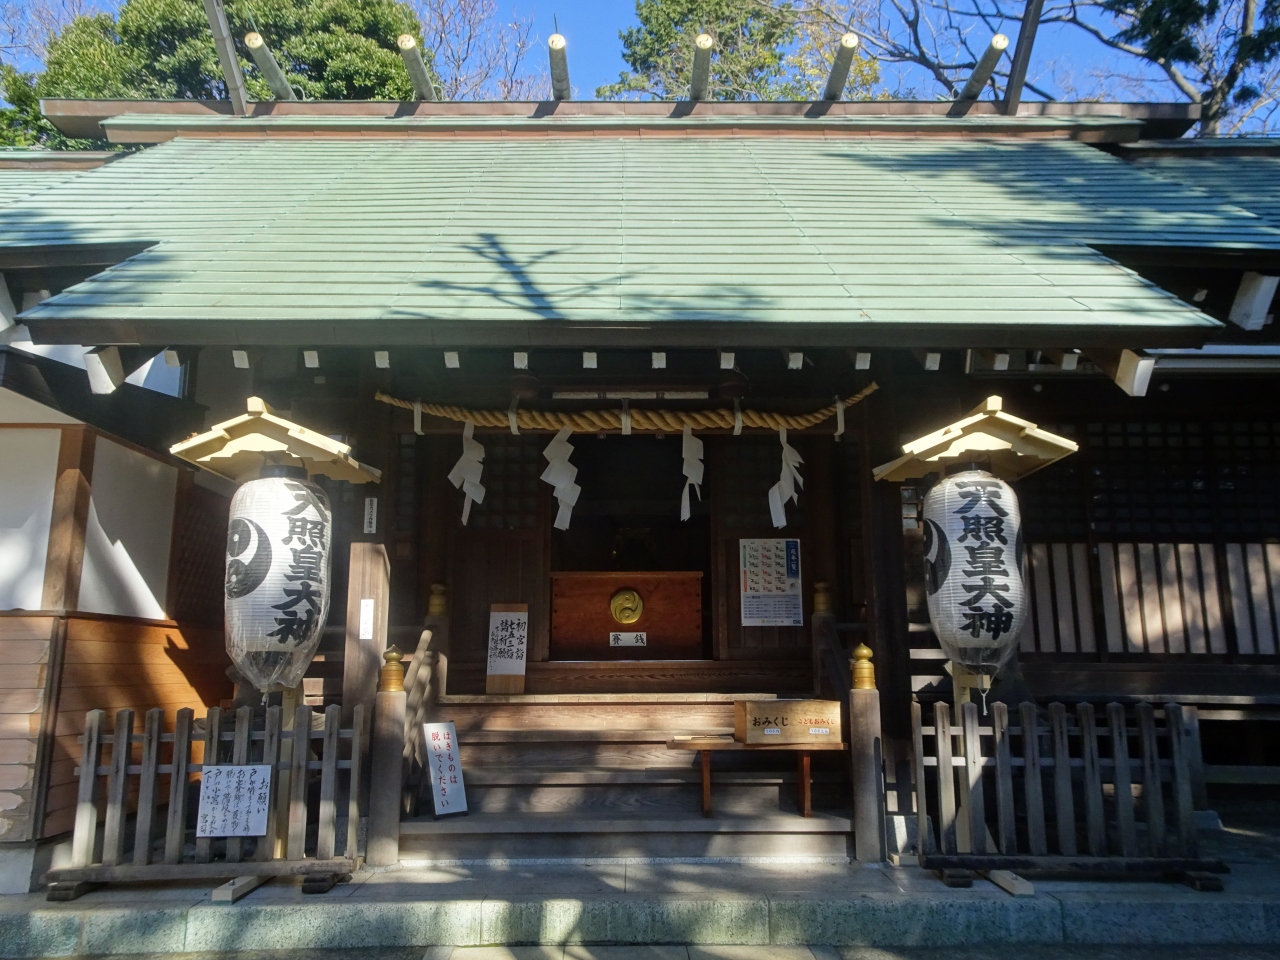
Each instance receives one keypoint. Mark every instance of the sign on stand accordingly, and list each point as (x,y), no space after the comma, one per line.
(234,801)
(444,763)
(769,572)
(508,647)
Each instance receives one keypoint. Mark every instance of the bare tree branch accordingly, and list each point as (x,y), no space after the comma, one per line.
(480,55)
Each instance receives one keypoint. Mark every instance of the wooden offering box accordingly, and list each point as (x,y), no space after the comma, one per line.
(583,625)
(786,721)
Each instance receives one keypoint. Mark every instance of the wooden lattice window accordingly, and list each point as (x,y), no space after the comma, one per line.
(751,465)
(199,557)
(512,468)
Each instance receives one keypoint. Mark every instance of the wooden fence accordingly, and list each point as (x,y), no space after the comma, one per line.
(1113,794)
(157,842)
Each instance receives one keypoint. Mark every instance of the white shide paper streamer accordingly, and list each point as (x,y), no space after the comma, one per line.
(691,450)
(560,473)
(466,472)
(785,488)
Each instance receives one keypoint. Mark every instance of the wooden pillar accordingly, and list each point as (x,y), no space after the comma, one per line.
(386,764)
(868,760)
(70,519)
(368,593)
(890,638)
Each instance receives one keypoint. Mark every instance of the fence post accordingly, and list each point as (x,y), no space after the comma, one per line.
(867,757)
(386,763)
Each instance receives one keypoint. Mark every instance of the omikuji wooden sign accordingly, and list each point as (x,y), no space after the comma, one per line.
(444,765)
(234,801)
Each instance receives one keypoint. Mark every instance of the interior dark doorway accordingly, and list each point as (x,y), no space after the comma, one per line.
(627,518)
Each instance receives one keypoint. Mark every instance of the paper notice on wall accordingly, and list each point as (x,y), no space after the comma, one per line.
(234,801)
(508,638)
(769,572)
(444,764)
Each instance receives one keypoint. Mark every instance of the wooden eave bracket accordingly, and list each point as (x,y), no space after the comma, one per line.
(1013,446)
(238,448)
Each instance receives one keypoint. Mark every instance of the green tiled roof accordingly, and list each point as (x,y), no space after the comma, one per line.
(436,239)
(16,184)
(1252,182)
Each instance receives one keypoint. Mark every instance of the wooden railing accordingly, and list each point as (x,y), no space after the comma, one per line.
(137,764)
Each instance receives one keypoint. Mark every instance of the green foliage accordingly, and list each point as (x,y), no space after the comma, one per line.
(747,63)
(329,50)
(21,123)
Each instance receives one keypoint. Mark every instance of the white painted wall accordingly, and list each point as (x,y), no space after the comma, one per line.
(127,540)
(28,470)
(15,408)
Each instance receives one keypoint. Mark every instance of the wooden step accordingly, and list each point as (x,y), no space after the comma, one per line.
(551,776)
(552,736)
(485,836)
(587,716)
(550,824)
(648,676)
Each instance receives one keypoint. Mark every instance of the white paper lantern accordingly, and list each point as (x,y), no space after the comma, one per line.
(975,569)
(279,542)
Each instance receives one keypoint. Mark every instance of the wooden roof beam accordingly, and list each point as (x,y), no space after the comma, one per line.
(267,65)
(231,75)
(560,88)
(1131,370)
(423,88)
(985,68)
(840,67)
(700,77)
(1022,56)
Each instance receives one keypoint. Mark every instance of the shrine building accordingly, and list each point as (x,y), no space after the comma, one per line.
(684,337)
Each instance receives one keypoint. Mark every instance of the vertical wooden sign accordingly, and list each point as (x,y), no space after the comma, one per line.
(508,647)
(444,767)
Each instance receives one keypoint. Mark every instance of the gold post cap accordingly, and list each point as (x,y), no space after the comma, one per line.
(864,673)
(821,597)
(438,601)
(392,677)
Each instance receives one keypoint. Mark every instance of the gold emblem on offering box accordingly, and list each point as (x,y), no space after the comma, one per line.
(626,606)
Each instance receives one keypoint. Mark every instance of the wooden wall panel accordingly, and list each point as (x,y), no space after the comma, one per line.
(116,663)
(742,470)
(25,648)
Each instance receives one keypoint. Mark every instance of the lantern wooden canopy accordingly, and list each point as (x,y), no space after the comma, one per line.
(239,448)
(1008,446)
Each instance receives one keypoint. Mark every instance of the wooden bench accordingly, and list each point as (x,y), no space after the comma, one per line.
(706,745)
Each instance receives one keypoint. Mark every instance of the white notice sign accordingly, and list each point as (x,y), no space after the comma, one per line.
(448,792)
(508,639)
(234,801)
(769,572)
